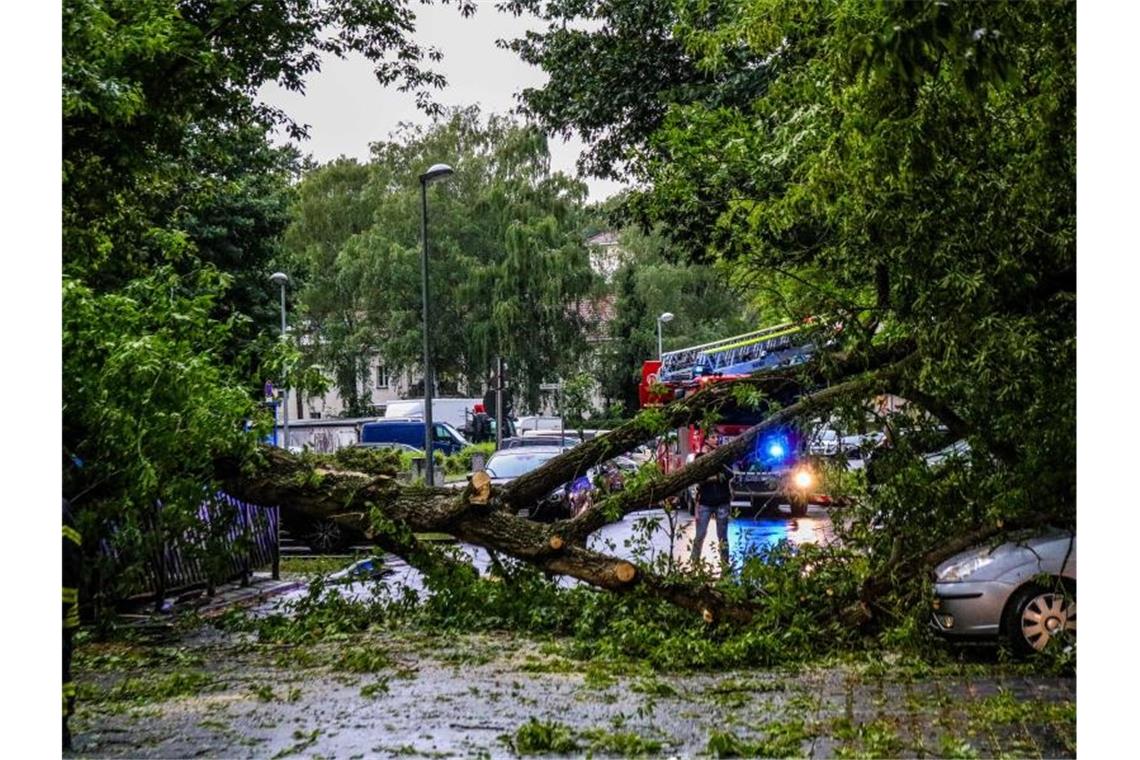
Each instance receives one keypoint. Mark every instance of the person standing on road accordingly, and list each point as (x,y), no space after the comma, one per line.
(72,557)
(713,496)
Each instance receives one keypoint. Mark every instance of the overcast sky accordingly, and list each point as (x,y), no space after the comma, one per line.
(346,108)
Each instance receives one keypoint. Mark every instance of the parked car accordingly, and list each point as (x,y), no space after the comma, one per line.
(568,441)
(825,443)
(858,445)
(1022,590)
(410,432)
(403,448)
(551,424)
(507,464)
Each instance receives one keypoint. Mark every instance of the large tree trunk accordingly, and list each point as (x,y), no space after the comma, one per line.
(389,513)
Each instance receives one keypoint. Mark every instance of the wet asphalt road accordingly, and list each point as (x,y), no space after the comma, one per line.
(464,696)
(646,537)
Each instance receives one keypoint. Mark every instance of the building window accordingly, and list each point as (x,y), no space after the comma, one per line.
(382,379)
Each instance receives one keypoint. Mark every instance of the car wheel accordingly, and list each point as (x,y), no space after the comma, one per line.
(1035,615)
(325,536)
(798,505)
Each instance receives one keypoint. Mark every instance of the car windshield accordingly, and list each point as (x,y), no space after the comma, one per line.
(513,465)
(458,436)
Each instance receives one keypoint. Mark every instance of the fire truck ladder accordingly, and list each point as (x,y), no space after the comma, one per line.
(739,354)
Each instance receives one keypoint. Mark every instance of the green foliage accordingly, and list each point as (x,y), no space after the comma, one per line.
(508,264)
(648,283)
(373,690)
(614,67)
(366,459)
(728,744)
(621,743)
(362,660)
(538,737)
(144,690)
(907,167)
(577,399)
(460,462)
(173,203)
(321,613)
(149,403)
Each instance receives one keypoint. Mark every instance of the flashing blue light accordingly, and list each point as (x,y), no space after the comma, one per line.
(773,450)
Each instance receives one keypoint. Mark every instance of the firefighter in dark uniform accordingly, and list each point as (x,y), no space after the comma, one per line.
(71,565)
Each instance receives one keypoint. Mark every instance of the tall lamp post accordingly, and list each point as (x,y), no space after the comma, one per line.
(282,279)
(666,317)
(436,172)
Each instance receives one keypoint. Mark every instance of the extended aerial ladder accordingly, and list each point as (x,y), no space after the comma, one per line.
(771,472)
(784,344)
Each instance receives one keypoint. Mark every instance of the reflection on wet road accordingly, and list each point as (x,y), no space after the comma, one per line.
(748,536)
(646,537)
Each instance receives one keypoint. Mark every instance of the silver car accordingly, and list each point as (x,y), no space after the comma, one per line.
(1024,591)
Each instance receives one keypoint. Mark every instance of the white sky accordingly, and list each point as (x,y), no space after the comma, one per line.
(346,108)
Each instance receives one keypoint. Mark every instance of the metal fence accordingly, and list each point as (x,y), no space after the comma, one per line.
(231,539)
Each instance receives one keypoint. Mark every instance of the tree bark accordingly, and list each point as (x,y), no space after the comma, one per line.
(390,513)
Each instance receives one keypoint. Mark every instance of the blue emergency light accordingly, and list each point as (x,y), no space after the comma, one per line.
(773,449)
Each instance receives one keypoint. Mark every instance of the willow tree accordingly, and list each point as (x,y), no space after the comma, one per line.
(508,264)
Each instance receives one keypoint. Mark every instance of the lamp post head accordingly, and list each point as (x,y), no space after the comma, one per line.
(279,278)
(666,317)
(436,172)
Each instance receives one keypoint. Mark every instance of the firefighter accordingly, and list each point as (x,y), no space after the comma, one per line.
(71,566)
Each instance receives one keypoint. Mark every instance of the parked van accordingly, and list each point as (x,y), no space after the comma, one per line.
(454,411)
(445,438)
(464,414)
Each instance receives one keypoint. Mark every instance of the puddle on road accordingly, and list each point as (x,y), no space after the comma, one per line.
(644,537)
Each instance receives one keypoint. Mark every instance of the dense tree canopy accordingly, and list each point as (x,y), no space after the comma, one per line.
(173,206)
(508,265)
(906,170)
(911,168)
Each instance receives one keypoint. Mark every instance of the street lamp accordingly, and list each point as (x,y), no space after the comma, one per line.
(282,279)
(666,317)
(436,172)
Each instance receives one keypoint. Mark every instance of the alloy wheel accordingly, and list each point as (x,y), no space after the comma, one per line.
(1047,616)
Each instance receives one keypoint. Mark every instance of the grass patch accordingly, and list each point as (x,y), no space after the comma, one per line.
(622,743)
(144,690)
(362,660)
(373,690)
(540,737)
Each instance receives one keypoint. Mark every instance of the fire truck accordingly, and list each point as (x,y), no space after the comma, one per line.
(777,468)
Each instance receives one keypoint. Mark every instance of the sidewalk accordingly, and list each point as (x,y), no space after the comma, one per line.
(261,587)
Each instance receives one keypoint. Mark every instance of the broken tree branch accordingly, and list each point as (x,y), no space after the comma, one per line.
(773,384)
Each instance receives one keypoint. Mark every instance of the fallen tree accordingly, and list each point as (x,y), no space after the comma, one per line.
(389,513)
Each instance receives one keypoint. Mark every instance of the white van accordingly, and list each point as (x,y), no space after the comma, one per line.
(456,412)
(523,424)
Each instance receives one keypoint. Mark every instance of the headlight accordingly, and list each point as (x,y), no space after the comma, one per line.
(959,571)
(803,479)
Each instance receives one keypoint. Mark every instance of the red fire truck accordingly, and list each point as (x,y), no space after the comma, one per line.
(777,468)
